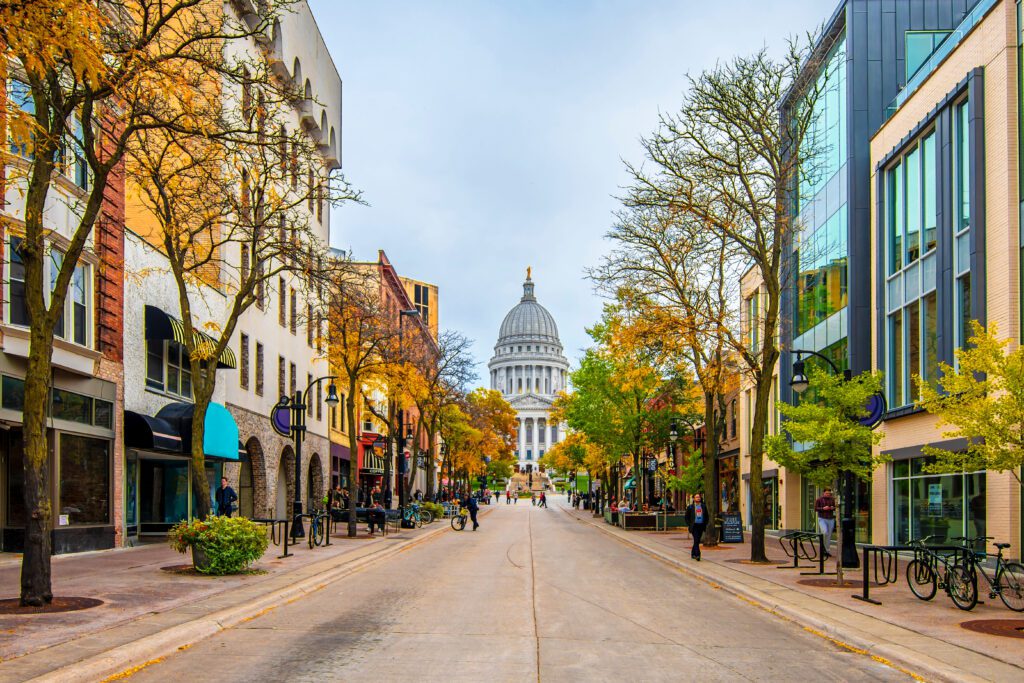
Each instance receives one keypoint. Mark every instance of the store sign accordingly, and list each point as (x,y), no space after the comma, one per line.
(935,500)
(281,420)
(875,410)
(732,528)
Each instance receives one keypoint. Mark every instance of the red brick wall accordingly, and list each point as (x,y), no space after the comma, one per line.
(109,238)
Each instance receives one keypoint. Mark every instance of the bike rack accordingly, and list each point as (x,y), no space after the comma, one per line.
(886,568)
(798,551)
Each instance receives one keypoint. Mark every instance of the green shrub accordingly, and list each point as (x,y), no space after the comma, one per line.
(436,509)
(230,543)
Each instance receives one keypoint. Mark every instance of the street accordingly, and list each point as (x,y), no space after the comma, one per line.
(532,595)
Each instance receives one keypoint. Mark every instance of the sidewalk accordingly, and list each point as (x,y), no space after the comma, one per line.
(925,638)
(148,611)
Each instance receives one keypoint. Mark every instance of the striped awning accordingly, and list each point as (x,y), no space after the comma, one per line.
(372,463)
(161,325)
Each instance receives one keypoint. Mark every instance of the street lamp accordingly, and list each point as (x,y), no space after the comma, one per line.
(799,383)
(411,312)
(296,406)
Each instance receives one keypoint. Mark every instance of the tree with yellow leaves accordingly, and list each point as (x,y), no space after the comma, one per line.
(84,80)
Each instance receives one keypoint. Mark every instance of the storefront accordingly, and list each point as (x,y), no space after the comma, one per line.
(81,464)
(861,507)
(158,468)
(772,510)
(340,458)
(941,505)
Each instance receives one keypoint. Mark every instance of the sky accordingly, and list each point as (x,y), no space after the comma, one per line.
(488,135)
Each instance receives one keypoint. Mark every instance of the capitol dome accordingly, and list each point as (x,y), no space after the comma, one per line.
(528,321)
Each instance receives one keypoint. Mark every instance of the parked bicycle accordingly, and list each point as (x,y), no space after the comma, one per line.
(319,524)
(416,516)
(1008,580)
(459,520)
(942,567)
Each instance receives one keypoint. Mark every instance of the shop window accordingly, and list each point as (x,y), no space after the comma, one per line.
(168,368)
(14,445)
(84,479)
(941,505)
(72,407)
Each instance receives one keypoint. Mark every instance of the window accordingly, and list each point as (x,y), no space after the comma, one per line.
(309,325)
(259,369)
(292,383)
(912,218)
(243,366)
(946,505)
(78,305)
(732,419)
(281,376)
(919,47)
(246,96)
(554,433)
(295,165)
(261,288)
(421,295)
(84,479)
(71,155)
(309,405)
(319,401)
(168,368)
(753,321)
(320,203)
(21,95)
(822,280)
(56,260)
(282,303)
(962,225)
(293,320)
(18,307)
(282,148)
(245,261)
(962,174)
(310,191)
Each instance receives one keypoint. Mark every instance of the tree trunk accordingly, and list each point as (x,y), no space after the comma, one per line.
(200,486)
(839,533)
(758,428)
(710,463)
(353,455)
(35,565)
(431,472)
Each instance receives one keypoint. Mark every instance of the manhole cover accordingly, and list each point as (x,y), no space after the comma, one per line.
(831,583)
(1009,628)
(751,562)
(72,604)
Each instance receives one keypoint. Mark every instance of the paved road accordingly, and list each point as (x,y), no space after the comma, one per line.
(533,595)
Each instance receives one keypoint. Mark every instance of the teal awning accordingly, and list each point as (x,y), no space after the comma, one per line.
(220,431)
(630,484)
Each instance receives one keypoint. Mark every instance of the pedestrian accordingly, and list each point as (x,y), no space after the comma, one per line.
(543,499)
(515,498)
(825,506)
(697,521)
(470,503)
(533,498)
(497,497)
(508,496)
(226,498)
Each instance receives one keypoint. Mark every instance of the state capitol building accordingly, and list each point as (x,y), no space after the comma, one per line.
(528,368)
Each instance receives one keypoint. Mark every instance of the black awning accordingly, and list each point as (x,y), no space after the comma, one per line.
(161,325)
(150,433)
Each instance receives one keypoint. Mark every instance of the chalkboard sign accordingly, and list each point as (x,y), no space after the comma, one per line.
(732,528)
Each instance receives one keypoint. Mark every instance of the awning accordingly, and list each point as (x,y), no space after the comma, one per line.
(220,432)
(340,452)
(372,463)
(630,484)
(150,433)
(160,325)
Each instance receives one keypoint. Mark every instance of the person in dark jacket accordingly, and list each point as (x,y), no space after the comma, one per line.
(470,503)
(226,498)
(697,519)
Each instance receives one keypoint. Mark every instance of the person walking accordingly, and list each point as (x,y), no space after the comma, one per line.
(825,507)
(697,520)
(543,501)
(226,498)
(515,497)
(533,499)
(508,496)
(497,497)
(470,503)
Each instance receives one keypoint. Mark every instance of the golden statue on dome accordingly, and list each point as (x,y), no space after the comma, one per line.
(528,269)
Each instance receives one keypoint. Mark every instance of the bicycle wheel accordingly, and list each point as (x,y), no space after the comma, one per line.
(962,585)
(426,516)
(311,532)
(320,530)
(921,580)
(458,522)
(1011,585)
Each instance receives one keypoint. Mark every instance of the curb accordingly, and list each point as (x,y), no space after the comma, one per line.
(901,658)
(130,657)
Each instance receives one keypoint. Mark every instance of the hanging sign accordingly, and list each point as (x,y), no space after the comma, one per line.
(281,420)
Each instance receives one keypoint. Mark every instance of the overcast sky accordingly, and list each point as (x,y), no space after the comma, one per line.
(488,136)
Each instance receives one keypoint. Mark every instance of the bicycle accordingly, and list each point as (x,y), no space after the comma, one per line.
(319,523)
(1008,580)
(925,577)
(459,520)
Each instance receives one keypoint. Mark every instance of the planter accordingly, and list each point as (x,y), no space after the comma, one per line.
(200,561)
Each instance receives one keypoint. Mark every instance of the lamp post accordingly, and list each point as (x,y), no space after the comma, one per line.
(401,413)
(799,384)
(297,426)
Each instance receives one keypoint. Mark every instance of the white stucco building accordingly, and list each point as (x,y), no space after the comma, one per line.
(529,369)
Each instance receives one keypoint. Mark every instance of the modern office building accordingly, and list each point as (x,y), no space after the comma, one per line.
(868,52)
(946,249)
